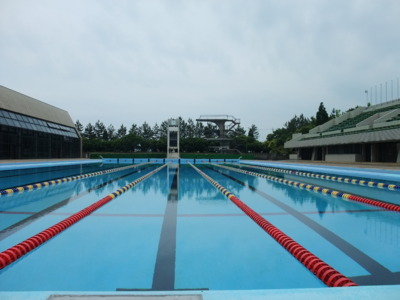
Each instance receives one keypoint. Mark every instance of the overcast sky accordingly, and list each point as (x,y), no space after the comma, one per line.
(260,61)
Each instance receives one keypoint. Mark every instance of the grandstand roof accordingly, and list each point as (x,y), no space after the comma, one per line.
(378,123)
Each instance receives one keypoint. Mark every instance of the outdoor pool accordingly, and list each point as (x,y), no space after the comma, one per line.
(175,231)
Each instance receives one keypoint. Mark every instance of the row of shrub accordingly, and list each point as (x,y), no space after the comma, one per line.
(97,155)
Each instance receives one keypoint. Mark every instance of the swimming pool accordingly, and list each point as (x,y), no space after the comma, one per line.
(174,231)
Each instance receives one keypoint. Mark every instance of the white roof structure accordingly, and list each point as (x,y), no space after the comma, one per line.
(374,124)
(19,103)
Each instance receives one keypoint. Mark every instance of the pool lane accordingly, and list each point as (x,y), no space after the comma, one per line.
(327,274)
(26,208)
(18,177)
(164,270)
(344,180)
(219,247)
(377,255)
(80,251)
(377,174)
(387,195)
(314,188)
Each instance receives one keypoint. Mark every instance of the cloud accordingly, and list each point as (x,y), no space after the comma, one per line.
(135,61)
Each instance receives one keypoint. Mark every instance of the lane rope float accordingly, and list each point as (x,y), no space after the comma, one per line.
(318,189)
(15,252)
(327,274)
(372,184)
(39,185)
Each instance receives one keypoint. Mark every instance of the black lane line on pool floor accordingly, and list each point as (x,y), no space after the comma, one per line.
(372,266)
(164,271)
(25,222)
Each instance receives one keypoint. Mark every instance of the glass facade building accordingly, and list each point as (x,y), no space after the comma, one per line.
(26,137)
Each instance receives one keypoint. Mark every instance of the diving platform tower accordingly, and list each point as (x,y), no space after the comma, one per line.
(173,138)
(225,123)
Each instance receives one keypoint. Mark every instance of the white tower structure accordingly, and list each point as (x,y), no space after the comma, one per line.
(173,139)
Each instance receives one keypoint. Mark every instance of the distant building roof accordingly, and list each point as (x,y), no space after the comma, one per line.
(375,136)
(378,123)
(20,103)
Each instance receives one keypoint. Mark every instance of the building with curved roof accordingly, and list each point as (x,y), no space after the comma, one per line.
(30,129)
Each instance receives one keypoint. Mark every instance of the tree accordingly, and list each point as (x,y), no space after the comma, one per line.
(199,130)
(156,132)
(183,132)
(111,132)
(121,132)
(211,131)
(191,128)
(321,116)
(99,129)
(238,131)
(335,113)
(164,130)
(146,132)
(253,132)
(79,126)
(134,130)
(89,131)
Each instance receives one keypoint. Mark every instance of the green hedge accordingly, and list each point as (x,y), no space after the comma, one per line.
(127,155)
(216,155)
(164,155)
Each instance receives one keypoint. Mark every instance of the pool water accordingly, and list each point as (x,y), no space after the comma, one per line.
(175,231)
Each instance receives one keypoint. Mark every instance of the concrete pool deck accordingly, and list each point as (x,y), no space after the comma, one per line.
(387,292)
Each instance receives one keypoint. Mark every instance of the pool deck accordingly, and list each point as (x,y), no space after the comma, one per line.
(388,292)
(346,293)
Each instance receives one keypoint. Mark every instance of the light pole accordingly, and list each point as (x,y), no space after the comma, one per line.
(386,91)
(392,90)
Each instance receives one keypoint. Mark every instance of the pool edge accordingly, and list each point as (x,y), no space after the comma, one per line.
(387,292)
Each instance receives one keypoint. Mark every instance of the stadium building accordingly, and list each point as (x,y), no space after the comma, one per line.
(32,129)
(365,134)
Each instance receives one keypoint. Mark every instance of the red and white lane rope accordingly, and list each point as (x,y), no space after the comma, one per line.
(318,189)
(318,267)
(15,252)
